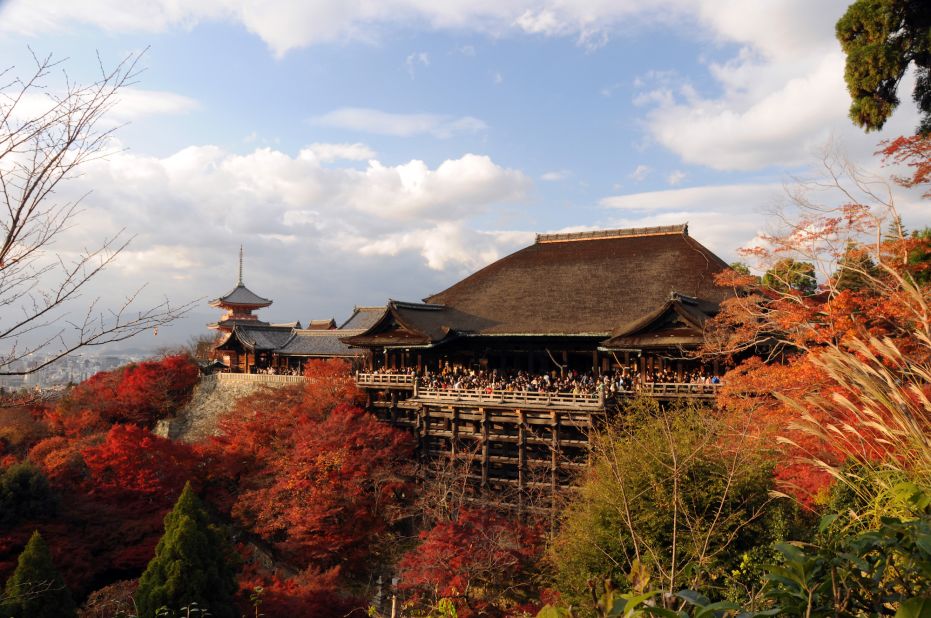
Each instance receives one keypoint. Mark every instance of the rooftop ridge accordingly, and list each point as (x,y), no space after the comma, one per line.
(661,230)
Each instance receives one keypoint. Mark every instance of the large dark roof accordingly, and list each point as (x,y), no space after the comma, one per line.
(241,295)
(585,283)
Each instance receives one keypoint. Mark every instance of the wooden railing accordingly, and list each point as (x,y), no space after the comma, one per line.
(596,400)
(385,380)
(259,378)
(508,398)
(677,389)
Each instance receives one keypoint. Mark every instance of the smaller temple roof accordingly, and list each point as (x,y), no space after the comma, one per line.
(324,343)
(264,338)
(406,324)
(240,296)
(322,324)
(363,317)
(680,321)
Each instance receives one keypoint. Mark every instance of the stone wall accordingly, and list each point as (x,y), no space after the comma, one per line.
(213,396)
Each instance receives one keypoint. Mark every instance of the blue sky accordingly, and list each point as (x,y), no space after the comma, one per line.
(367,150)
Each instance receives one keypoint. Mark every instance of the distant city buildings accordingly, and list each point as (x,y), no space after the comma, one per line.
(68,370)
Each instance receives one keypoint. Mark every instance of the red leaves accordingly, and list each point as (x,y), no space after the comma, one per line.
(313,474)
(323,492)
(140,393)
(913,152)
(132,463)
(470,558)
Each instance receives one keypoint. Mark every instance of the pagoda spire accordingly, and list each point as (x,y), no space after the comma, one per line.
(240,264)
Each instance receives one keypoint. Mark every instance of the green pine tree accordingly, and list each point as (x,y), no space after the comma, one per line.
(193,564)
(36,588)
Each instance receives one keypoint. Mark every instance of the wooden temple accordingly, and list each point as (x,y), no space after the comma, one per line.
(625,302)
(589,301)
(629,302)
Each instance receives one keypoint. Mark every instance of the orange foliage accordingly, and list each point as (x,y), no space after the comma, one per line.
(305,469)
(140,393)
(480,551)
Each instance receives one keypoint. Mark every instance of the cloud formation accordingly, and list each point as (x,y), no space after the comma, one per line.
(367,120)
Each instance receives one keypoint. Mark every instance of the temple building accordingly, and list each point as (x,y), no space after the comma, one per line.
(505,373)
(247,344)
(588,301)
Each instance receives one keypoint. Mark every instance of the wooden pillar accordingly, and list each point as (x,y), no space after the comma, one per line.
(486,447)
(679,373)
(595,362)
(454,429)
(425,433)
(554,451)
(418,432)
(521,458)
(565,361)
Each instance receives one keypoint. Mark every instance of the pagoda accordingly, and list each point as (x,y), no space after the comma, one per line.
(239,303)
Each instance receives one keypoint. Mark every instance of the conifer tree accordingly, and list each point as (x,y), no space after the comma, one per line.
(36,588)
(192,564)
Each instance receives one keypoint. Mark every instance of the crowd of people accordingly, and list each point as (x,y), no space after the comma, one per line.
(280,371)
(611,382)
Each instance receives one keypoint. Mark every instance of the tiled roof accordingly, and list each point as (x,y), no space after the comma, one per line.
(318,343)
(363,317)
(266,338)
(241,295)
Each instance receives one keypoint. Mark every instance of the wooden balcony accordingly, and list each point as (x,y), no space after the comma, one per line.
(530,399)
(385,380)
(509,399)
(676,390)
(259,378)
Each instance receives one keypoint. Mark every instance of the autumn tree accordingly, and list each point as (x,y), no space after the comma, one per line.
(881,39)
(790,275)
(49,131)
(36,589)
(874,287)
(483,561)
(192,564)
(680,490)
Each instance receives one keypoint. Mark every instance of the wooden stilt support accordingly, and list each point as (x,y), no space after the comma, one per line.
(486,447)
(521,459)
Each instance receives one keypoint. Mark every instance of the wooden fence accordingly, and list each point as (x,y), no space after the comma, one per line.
(259,378)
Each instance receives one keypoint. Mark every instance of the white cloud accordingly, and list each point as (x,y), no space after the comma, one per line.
(131,104)
(555,175)
(289,24)
(497,77)
(752,198)
(640,172)
(675,177)
(268,193)
(415,59)
(368,120)
(723,217)
(340,152)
